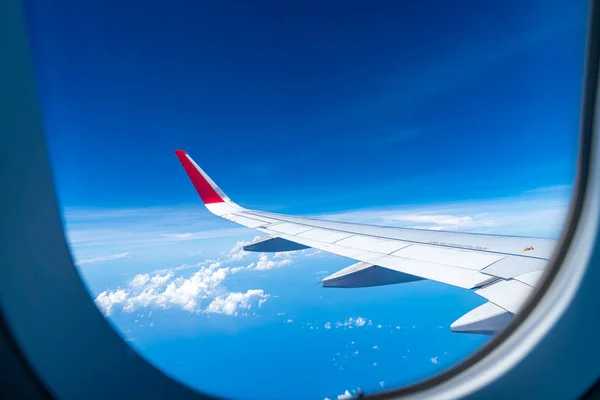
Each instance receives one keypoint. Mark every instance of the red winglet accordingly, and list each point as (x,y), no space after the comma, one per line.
(205,190)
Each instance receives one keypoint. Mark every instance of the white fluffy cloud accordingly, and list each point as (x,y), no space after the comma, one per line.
(435,360)
(201,292)
(108,299)
(234,301)
(237,252)
(345,395)
(265,263)
(164,291)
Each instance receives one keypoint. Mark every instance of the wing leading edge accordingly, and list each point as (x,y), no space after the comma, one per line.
(502,269)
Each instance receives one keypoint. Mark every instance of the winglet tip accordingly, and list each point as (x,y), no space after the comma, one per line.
(202,183)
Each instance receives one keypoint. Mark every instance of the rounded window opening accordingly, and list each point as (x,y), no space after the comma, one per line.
(396,176)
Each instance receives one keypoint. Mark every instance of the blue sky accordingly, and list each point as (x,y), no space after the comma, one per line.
(459,116)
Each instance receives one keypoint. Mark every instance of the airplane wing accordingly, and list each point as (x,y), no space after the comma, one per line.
(502,269)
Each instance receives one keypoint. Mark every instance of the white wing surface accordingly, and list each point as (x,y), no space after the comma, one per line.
(502,269)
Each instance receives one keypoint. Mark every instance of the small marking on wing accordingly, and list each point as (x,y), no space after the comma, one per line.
(527,249)
(460,246)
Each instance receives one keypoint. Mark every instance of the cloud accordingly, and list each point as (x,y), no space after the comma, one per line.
(91,228)
(102,259)
(381,383)
(145,281)
(237,252)
(108,299)
(327,325)
(351,323)
(345,395)
(435,360)
(234,301)
(178,236)
(163,291)
(265,263)
(539,212)
(201,292)
(375,347)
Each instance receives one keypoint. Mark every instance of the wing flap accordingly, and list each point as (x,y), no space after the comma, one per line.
(487,319)
(530,278)
(509,294)
(510,267)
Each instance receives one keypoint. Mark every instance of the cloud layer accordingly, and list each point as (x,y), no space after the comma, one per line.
(537,213)
(93,233)
(541,212)
(102,258)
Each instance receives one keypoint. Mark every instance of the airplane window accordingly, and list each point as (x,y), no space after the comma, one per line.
(307,199)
